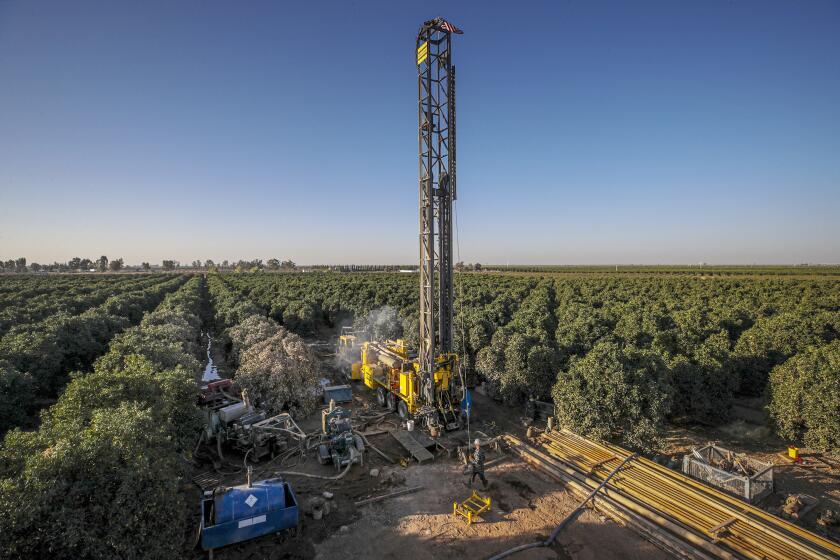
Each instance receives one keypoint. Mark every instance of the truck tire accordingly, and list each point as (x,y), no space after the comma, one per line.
(380,397)
(392,402)
(402,409)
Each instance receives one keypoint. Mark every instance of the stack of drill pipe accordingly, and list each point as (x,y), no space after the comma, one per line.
(674,539)
(703,508)
(743,531)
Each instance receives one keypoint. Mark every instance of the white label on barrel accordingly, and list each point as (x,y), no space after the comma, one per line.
(251,500)
(252,521)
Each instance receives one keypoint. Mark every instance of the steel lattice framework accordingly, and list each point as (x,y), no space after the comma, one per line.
(436,146)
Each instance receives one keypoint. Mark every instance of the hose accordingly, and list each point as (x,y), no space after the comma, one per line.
(368,416)
(301,458)
(550,540)
(336,477)
(369,444)
(377,433)
(282,457)
(226,473)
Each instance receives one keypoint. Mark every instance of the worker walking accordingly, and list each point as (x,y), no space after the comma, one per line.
(477,466)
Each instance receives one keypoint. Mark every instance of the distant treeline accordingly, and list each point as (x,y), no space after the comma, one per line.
(699,270)
(104,264)
(76,264)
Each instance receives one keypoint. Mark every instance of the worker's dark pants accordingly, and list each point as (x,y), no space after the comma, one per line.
(479,474)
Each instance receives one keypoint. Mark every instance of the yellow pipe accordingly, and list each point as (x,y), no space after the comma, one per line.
(703,509)
(701,517)
(742,509)
(651,474)
(631,505)
(626,484)
(734,502)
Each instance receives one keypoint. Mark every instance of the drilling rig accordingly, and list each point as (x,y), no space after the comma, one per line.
(428,386)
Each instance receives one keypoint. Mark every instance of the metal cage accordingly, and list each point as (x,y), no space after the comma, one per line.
(699,464)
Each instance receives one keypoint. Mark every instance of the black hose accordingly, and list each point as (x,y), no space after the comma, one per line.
(308,475)
(369,444)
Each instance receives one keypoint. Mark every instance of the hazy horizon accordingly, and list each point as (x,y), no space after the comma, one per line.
(232,262)
(604,133)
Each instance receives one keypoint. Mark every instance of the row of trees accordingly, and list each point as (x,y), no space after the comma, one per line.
(520,359)
(14,265)
(274,365)
(239,266)
(461,267)
(76,264)
(699,269)
(102,264)
(103,476)
(680,349)
(35,358)
(33,299)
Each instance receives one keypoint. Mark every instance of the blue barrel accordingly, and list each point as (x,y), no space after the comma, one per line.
(246,512)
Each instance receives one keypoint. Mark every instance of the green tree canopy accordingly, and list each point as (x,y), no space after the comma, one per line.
(614,392)
(805,397)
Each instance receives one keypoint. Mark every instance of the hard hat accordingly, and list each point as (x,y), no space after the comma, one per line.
(477,442)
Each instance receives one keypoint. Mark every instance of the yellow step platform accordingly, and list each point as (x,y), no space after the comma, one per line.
(472,507)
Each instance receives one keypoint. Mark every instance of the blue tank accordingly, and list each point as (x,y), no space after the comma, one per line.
(240,513)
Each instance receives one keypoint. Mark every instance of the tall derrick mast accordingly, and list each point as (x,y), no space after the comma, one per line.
(428,388)
(436,147)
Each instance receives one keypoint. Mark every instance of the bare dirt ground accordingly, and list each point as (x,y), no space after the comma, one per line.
(525,508)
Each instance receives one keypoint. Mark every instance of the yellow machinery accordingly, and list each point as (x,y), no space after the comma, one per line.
(472,507)
(387,368)
(347,352)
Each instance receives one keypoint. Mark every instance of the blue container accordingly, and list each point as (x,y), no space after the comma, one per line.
(338,393)
(246,512)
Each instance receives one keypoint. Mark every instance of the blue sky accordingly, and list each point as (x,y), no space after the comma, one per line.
(589,132)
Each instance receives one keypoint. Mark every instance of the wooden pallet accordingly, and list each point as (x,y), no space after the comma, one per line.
(406,439)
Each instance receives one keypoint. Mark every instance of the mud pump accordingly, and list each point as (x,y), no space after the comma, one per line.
(232,422)
(339,445)
(428,386)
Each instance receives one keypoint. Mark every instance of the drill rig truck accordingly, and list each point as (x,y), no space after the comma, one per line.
(428,386)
